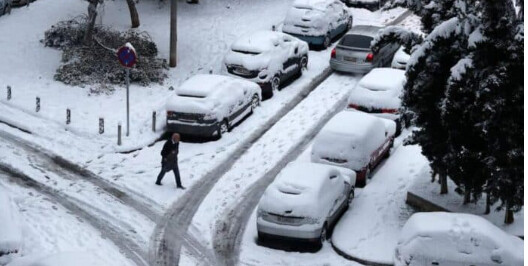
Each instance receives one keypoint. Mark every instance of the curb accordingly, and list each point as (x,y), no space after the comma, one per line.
(423,204)
(356,259)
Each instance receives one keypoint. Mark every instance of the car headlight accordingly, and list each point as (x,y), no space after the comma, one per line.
(210,116)
(263,74)
(309,220)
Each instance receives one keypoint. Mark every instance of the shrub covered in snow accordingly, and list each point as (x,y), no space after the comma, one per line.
(98,64)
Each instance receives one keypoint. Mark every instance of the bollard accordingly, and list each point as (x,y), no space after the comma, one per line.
(68,116)
(119,134)
(37,108)
(154,121)
(211,71)
(273,28)
(101,125)
(8,93)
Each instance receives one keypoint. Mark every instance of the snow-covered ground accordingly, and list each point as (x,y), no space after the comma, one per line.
(48,227)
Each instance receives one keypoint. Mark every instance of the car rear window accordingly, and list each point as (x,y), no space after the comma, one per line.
(358,41)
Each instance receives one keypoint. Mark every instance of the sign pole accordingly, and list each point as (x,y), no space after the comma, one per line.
(127,99)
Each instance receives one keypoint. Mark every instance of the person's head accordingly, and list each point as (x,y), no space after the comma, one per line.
(175,137)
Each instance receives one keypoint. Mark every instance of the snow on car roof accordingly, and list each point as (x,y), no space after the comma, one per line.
(317,4)
(258,42)
(368,30)
(469,236)
(203,85)
(382,79)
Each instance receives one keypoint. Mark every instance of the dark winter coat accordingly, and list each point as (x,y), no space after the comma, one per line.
(170,159)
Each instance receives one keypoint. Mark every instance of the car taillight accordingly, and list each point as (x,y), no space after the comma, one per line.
(389,111)
(370,57)
(333,54)
(354,106)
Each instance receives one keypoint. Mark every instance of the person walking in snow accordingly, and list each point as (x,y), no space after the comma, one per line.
(169,159)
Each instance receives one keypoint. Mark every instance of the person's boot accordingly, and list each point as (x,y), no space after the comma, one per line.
(180,187)
(158,183)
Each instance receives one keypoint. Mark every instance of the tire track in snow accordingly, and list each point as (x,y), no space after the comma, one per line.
(45,161)
(121,238)
(166,241)
(228,237)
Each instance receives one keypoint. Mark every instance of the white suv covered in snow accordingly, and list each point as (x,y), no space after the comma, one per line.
(455,239)
(317,22)
(209,105)
(356,141)
(268,58)
(378,93)
(304,202)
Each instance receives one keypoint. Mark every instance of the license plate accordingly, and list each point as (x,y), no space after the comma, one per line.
(350,59)
(284,219)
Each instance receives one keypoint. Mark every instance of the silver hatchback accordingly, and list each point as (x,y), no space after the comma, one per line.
(353,53)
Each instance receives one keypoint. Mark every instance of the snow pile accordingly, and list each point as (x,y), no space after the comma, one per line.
(62,259)
(380,88)
(305,189)
(349,139)
(312,17)
(10,228)
(451,238)
(211,94)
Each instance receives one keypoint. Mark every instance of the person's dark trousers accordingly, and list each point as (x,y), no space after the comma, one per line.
(176,172)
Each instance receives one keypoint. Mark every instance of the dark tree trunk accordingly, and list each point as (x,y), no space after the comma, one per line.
(443,184)
(92,14)
(134,16)
(467,195)
(488,207)
(508,215)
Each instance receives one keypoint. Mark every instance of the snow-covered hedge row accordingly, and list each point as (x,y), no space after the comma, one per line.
(97,63)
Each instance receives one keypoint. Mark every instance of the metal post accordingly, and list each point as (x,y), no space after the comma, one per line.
(173,33)
(273,27)
(8,93)
(101,125)
(127,100)
(37,108)
(154,121)
(119,134)
(68,116)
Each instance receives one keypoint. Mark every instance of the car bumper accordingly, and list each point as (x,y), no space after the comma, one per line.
(193,129)
(341,66)
(302,232)
(313,40)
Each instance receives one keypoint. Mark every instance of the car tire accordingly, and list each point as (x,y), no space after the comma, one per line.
(367,173)
(324,234)
(223,128)
(255,102)
(351,196)
(387,154)
(327,41)
(304,62)
(349,24)
(275,83)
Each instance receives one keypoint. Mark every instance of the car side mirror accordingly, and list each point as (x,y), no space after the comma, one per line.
(333,176)
(386,133)
(296,50)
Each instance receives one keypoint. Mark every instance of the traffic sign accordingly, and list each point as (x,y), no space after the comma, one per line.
(127,56)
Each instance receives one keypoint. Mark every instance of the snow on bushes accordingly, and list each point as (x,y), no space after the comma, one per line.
(97,64)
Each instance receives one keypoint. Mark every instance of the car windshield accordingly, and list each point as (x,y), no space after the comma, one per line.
(245,52)
(358,41)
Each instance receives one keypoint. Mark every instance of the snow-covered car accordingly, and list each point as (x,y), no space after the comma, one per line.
(210,105)
(440,238)
(378,93)
(304,201)
(268,58)
(354,55)
(10,229)
(354,140)
(317,22)
(400,59)
(5,7)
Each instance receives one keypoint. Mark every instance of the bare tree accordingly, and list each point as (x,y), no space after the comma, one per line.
(92,15)
(134,16)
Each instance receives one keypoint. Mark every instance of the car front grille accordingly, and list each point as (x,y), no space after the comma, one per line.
(335,160)
(281,219)
(242,71)
(185,117)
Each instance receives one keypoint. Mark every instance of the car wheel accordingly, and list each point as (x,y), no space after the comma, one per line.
(275,83)
(367,173)
(324,234)
(350,197)
(387,154)
(349,24)
(223,128)
(255,102)
(327,41)
(304,63)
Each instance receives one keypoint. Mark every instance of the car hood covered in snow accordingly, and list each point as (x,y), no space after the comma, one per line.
(299,190)
(254,51)
(455,237)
